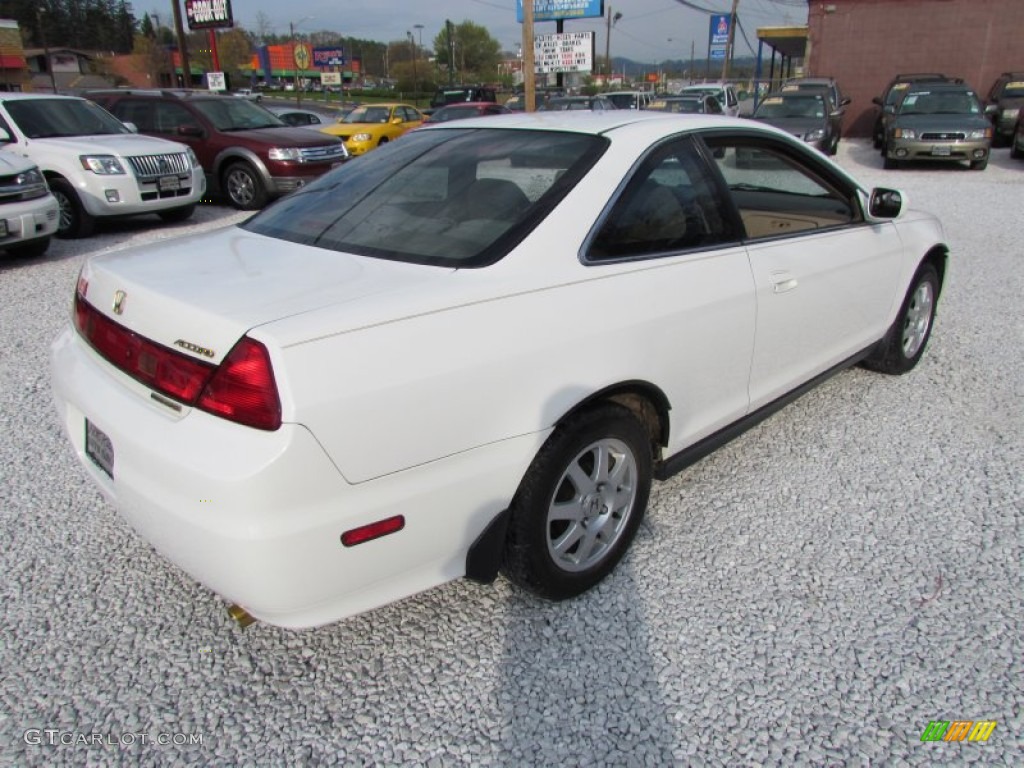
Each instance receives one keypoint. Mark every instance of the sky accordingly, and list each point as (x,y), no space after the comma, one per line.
(649,30)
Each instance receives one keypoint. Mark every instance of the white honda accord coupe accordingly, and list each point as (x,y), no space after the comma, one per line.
(471,351)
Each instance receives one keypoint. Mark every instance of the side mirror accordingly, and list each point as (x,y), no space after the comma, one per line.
(877,101)
(889,110)
(885,203)
(396,121)
(992,109)
(131,126)
(846,102)
(188,129)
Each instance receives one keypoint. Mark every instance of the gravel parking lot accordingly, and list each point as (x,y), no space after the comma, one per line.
(815,593)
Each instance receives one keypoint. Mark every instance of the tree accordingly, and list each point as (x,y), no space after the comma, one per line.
(477,54)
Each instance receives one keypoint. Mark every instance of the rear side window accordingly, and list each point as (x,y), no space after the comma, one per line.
(670,204)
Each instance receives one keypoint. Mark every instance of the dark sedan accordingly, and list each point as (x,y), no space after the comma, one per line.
(806,114)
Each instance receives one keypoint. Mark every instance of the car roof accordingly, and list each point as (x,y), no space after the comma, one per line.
(12,96)
(941,85)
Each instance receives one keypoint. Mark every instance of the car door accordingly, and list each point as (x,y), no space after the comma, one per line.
(824,276)
(673,252)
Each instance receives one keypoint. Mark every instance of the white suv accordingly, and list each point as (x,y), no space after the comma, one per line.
(28,212)
(97,166)
(724,92)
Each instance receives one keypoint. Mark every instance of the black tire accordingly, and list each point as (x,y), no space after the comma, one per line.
(74,221)
(32,249)
(1015,153)
(243,187)
(603,508)
(979,165)
(174,215)
(833,147)
(903,345)
(889,164)
(383,141)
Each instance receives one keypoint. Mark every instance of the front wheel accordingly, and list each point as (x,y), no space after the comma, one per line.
(29,250)
(979,165)
(244,187)
(578,508)
(1015,142)
(904,344)
(74,220)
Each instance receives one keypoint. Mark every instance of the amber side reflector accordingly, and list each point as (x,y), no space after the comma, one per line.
(372,531)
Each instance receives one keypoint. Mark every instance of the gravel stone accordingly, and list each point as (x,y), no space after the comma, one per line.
(814,593)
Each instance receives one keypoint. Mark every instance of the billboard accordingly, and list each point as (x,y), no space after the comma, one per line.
(208,14)
(329,57)
(552,10)
(569,52)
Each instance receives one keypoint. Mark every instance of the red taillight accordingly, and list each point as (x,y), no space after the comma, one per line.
(159,368)
(243,389)
(373,531)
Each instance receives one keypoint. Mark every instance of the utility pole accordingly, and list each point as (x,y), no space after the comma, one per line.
(529,84)
(46,48)
(608,47)
(732,40)
(186,66)
(450,28)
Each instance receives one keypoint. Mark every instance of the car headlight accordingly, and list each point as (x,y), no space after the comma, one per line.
(361,137)
(904,133)
(981,133)
(104,165)
(1011,114)
(285,153)
(30,177)
(192,159)
(816,135)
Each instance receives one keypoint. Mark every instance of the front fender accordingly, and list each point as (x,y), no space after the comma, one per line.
(231,154)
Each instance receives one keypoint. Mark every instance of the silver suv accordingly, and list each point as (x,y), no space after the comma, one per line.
(97,166)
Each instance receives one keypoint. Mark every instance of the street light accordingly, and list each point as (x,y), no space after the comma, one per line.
(415,77)
(612,19)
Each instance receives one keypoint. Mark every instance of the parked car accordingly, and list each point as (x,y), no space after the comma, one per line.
(805,113)
(724,92)
(371,125)
(892,94)
(815,83)
(468,109)
(693,104)
(938,121)
(300,118)
(1017,141)
(28,212)
(1007,96)
(629,99)
(474,349)
(249,94)
(596,103)
(463,93)
(249,155)
(96,167)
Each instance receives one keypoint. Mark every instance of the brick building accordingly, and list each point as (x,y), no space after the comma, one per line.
(864,43)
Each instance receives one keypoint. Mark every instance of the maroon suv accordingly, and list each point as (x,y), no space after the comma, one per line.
(248,154)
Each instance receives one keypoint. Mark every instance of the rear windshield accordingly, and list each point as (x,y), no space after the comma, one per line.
(449,197)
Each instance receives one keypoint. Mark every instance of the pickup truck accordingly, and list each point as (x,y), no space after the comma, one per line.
(250,94)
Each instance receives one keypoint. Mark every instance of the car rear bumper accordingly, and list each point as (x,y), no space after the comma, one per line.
(257,516)
(954,151)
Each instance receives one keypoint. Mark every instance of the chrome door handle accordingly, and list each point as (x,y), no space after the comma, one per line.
(783,282)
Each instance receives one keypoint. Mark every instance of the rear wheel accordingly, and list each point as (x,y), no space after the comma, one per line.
(29,250)
(74,220)
(244,187)
(579,506)
(889,164)
(908,336)
(173,215)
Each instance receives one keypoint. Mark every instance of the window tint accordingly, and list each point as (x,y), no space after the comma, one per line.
(170,117)
(777,193)
(458,198)
(669,205)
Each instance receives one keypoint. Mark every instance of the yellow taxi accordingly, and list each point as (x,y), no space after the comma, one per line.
(370,125)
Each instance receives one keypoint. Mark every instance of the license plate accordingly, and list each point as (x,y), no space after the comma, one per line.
(941,151)
(99,448)
(3,228)
(167,183)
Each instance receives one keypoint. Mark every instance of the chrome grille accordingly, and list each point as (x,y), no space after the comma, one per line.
(942,137)
(154,166)
(322,154)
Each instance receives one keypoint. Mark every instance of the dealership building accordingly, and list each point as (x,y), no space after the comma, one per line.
(863,44)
